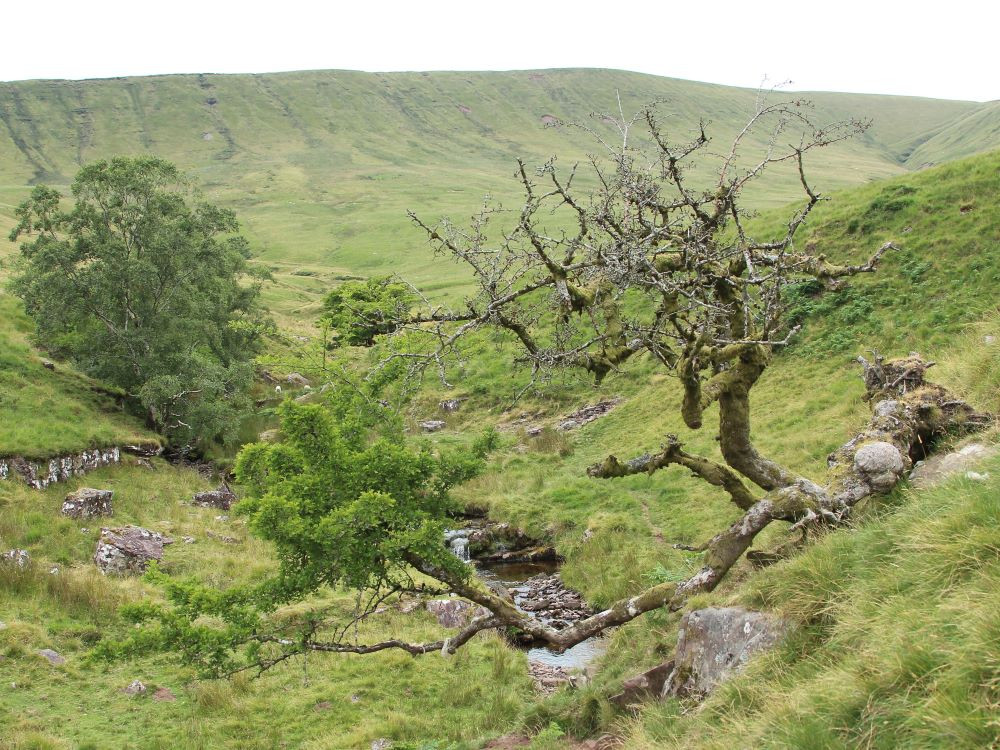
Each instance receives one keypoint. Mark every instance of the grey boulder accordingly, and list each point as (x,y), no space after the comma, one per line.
(128,550)
(87,502)
(716,642)
(221,498)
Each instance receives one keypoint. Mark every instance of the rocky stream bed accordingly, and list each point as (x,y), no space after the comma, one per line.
(526,569)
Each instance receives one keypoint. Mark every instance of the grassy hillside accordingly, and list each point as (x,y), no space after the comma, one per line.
(45,412)
(324,704)
(321,167)
(981,126)
(854,676)
(809,402)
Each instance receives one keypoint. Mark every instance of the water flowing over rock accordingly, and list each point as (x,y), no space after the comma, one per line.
(458,542)
(221,498)
(88,502)
(128,550)
(500,542)
(716,642)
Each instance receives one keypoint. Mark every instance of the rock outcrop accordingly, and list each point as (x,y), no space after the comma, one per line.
(40,474)
(17,557)
(134,688)
(88,502)
(455,613)
(128,550)
(588,414)
(492,542)
(716,642)
(943,465)
(221,498)
(52,657)
(646,686)
(431,425)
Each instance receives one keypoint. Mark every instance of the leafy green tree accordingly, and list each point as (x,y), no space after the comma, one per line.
(144,286)
(347,504)
(358,311)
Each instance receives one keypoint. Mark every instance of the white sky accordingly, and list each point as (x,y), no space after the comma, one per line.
(940,49)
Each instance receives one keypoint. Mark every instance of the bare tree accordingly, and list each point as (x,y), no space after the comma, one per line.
(652,260)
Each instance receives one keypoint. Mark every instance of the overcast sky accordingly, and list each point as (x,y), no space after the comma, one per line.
(947,51)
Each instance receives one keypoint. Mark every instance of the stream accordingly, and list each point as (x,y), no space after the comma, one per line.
(536,587)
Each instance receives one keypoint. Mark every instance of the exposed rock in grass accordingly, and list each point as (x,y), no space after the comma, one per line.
(297,379)
(431,425)
(549,678)
(455,613)
(88,502)
(53,657)
(128,550)
(645,686)
(588,414)
(40,474)
(17,557)
(406,606)
(222,537)
(716,642)
(134,688)
(144,450)
(939,467)
(221,498)
(451,405)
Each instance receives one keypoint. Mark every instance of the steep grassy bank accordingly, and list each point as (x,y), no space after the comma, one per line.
(46,413)
(925,298)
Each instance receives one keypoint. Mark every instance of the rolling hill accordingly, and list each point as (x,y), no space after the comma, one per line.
(321,167)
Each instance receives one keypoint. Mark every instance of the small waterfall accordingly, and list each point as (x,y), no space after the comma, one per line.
(458,543)
(460,546)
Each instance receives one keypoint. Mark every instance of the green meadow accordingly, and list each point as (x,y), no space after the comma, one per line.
(896,641)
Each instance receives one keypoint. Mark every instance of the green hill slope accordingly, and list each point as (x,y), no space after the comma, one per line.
(45,413)
(977,131)
(848,684)
(322,166)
